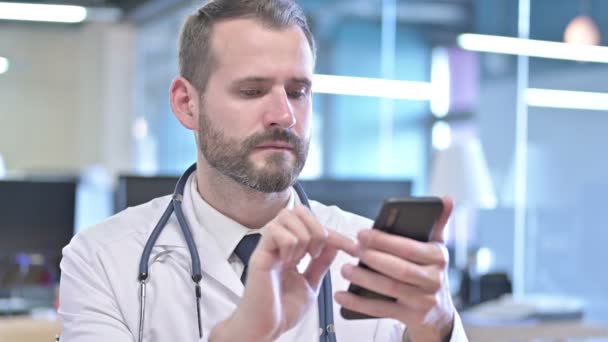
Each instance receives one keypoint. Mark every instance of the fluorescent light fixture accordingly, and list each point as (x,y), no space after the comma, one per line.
(566,99)
(374,87)
(423,91)
(533,48)
(440,79)
(39,12)
(4,64)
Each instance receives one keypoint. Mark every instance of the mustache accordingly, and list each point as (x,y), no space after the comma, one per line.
(274,135)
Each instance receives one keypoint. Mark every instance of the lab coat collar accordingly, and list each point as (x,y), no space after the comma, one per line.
(226,231)
(172,235)
(213,253)
(213,264)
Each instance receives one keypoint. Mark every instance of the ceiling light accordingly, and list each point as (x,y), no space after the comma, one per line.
(4,64)
(440,80)
(533,48)
(39,12)
(374,87)
(552,98)
(582,31)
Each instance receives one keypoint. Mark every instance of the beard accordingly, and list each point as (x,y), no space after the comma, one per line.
(231,157)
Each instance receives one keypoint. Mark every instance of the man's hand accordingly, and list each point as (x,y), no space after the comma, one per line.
(413,272)
(277,295)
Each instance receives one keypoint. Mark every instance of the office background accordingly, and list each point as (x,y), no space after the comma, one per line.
(90,100)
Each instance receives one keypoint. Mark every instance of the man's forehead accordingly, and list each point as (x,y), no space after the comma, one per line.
(244,25)
(251,33)
(244,41)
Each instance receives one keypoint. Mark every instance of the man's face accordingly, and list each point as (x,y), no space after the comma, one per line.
(254,123)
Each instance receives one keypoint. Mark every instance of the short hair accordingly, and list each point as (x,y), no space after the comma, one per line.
(196,61)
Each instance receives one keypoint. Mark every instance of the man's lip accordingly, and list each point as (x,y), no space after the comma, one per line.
(284,146)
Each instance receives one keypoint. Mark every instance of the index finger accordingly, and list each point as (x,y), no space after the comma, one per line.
(342,242)
(422,253)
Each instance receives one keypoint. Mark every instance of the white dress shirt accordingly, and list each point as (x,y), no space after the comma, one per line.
(226,232)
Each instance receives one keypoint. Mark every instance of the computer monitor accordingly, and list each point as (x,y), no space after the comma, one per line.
(360,196)
(36,216)
(134,190)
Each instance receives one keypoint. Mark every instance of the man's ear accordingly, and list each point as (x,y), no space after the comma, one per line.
(185,102)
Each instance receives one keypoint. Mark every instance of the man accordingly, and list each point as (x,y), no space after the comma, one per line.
(245,91)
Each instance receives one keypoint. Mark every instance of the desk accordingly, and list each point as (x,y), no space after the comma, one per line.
(547,331)
(25,329)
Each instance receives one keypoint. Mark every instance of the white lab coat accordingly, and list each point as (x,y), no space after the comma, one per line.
(99,292)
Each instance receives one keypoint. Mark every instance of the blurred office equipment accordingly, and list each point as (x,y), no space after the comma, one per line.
(132,190)
(36,222)
(476,288)
(36,216)
(530,318)
(461,172)
(363,197)
(510,309)
(567,330)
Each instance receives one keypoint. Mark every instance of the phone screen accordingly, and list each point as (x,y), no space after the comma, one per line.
(413,218)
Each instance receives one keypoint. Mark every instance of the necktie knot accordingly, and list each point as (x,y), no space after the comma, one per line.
(244,250)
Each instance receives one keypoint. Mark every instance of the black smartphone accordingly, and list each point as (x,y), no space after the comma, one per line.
(413,218)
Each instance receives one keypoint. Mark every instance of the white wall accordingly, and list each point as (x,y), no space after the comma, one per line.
(66,101)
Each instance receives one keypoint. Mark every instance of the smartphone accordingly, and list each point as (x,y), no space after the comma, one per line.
(413,218)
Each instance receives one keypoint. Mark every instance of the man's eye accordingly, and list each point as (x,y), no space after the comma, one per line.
(298,94)
(250,92)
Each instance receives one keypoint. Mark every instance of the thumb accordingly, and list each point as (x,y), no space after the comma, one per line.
(437,234)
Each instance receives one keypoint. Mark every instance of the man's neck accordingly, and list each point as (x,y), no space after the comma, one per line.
(252,209)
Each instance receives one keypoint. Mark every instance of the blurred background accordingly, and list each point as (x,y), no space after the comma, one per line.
(502,104)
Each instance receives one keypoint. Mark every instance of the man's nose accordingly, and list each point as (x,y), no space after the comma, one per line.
(280,113)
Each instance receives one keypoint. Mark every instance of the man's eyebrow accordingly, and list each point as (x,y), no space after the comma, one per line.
(252,79)
(259,79)
(302,80)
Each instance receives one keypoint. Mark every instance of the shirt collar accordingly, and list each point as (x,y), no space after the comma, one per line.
(226,232)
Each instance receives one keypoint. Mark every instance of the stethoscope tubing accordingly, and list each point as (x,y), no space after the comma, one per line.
(325,294)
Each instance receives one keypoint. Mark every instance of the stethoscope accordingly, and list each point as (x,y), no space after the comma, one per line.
(326,316)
